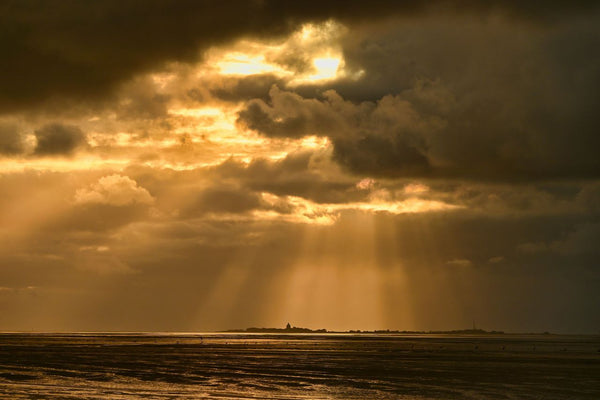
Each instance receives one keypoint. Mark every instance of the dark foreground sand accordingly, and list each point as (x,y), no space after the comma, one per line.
(246,366)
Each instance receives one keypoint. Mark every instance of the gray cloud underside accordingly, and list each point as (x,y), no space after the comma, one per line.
(58,139)
(11,141)
(82,50)
(454,97)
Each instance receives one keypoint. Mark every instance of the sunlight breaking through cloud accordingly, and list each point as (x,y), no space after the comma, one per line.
(409,168)
(309,56)
(302,210)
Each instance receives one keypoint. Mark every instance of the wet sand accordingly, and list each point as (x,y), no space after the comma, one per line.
(267,366)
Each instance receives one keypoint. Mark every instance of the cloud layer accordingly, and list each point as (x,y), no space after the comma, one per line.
(502,105)
(68,49)
(208,165)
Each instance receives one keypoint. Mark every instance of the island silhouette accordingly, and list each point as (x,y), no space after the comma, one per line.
(294,329)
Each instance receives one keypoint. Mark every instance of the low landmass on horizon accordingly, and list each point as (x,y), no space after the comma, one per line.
(295,329)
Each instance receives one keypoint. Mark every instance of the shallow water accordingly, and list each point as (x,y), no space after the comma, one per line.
(265,366)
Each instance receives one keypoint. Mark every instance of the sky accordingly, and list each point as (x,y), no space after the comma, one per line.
(210,165)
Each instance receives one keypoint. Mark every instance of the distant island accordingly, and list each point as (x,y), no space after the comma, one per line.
(295,329)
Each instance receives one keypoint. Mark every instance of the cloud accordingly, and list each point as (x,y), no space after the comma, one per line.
(582,240)
(290,115)
(589,197)
(242,88)
(533,247)
(100,262)
(460,262)
(95,245)
(46,56)
(114,190)
(498,122)
(578,239)
(506,97)
(471,134)
(308,174)
(140,100)
(11,141)
(223,199)
(383,138)
(58,139)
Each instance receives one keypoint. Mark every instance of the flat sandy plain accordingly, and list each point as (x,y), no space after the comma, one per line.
(296,366)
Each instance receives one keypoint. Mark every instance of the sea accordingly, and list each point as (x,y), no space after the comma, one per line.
(298,366)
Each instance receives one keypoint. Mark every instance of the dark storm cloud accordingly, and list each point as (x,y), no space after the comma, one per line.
(380,156)
(289,116)
(80,50)
(11,141)
(238,89)
(455,97)
(58,139)
(387,138)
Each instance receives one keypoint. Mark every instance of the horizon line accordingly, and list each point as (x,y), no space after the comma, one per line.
(283,331)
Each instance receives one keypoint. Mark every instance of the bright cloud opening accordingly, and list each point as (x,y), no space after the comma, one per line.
(310,55)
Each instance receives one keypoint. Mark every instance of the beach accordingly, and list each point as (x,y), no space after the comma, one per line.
(282,366)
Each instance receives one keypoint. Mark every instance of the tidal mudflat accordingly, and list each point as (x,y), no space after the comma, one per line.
(267,366)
